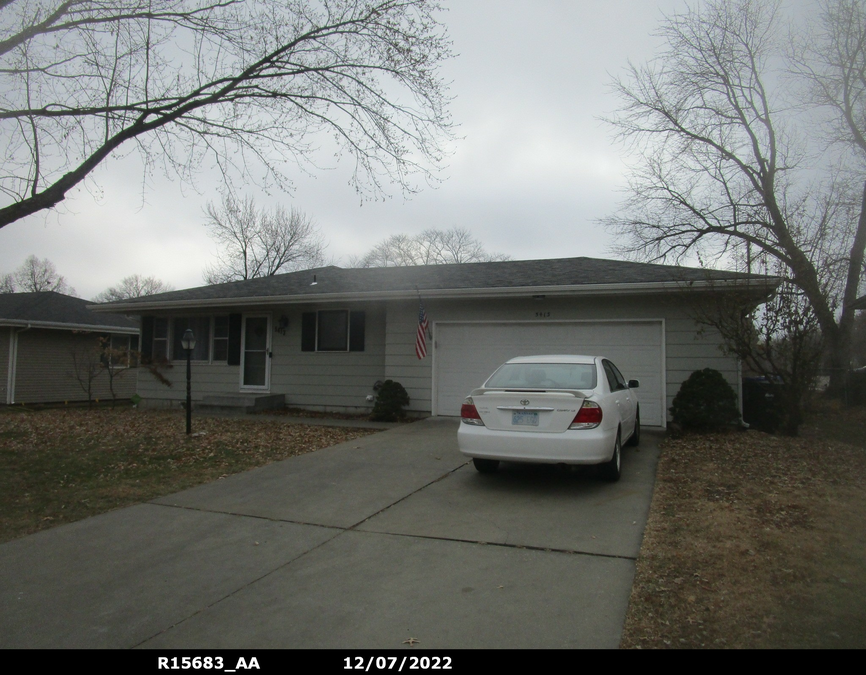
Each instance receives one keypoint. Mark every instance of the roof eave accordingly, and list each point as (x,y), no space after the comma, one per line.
(760,285)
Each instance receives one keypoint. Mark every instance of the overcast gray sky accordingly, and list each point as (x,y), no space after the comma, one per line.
(533,172)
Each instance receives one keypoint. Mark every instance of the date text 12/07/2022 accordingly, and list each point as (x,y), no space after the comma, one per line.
(396,663)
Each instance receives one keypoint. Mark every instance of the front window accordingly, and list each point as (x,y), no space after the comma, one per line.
(200,326)
(333,333)
(160,339)
(333,330)
(220,338)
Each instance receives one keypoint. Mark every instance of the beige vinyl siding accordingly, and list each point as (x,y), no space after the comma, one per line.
(401,363)
(338,381)
(689,350)
(342,380)
(328,380)
(44,371)
(206,379)
(5,340)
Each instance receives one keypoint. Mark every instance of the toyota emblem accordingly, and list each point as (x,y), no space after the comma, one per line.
(525,402)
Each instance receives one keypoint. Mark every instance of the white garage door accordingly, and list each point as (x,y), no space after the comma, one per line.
(467,353)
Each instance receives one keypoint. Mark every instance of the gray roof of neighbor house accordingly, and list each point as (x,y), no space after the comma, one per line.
(487,279)
(47,309)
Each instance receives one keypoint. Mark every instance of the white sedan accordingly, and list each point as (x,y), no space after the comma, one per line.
(557,409)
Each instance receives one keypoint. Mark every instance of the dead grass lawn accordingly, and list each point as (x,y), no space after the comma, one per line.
(62,465)
(756,541)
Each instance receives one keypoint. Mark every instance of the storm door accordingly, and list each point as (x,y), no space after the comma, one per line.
(256,365)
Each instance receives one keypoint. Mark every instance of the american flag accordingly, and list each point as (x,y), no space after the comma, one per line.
(421,337)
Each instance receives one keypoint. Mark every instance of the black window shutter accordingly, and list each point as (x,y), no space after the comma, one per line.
(146,338)
(235,324)
(308,332)
(357,321)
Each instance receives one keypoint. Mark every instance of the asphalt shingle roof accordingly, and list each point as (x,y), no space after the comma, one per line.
(431,278)
(56,308)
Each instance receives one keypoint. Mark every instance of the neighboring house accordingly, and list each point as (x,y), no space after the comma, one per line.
(324,337)
(46,337)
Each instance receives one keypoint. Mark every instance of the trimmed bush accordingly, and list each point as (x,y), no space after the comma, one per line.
(390,401)
(705,402)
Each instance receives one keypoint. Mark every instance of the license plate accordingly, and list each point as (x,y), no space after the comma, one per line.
(525,419)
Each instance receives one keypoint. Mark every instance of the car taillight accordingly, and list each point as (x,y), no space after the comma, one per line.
(469,413)
(588,417)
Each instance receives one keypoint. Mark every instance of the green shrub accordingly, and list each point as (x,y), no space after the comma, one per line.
(390,401)
(705,402)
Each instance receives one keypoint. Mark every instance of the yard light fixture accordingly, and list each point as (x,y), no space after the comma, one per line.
(188,343)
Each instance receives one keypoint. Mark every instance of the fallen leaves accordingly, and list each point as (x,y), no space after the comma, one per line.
(61,465)
(747,536)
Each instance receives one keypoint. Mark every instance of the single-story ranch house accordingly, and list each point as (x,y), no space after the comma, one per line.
(47,346)
(324,337)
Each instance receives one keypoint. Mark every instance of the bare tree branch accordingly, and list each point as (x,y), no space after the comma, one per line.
(251,84)
(133,286)
(35,276)
(257,243)
(725,172)
(431,247)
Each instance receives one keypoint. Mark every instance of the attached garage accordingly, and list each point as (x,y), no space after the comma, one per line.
(468,352)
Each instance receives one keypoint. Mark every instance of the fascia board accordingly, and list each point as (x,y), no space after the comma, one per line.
(764,285)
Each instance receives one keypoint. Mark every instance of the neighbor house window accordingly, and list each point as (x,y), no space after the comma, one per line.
(220,338)
(333,330)
(200,326)
(123,351)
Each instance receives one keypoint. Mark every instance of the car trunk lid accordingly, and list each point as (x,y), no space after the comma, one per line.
(528,410)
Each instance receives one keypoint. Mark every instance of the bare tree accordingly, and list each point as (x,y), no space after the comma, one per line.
(777,338)
(245,83)
(258,243)
(725,167)
(115,361)
(134,286)
(36,275)
(87,364)
(431,247)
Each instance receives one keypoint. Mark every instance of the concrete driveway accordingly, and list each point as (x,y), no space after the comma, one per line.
(362,545)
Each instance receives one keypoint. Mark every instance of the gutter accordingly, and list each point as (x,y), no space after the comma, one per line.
(53,325)
(763,285)
(13,362)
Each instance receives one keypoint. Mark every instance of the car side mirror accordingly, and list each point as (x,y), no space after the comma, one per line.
(633,384)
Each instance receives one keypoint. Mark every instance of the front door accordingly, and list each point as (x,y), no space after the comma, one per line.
(256,366)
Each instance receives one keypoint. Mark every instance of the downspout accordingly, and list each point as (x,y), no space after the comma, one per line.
(13,362)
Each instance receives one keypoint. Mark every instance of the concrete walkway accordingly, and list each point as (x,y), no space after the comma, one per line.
(362,545)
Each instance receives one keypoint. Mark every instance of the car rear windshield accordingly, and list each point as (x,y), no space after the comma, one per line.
(543,376)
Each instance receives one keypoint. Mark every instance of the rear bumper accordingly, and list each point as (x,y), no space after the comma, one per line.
(578,446)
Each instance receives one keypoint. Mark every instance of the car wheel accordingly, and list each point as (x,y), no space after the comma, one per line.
(634,441)
(612,470)
(486,465)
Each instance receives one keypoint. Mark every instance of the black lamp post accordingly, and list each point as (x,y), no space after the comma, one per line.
(188,343)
